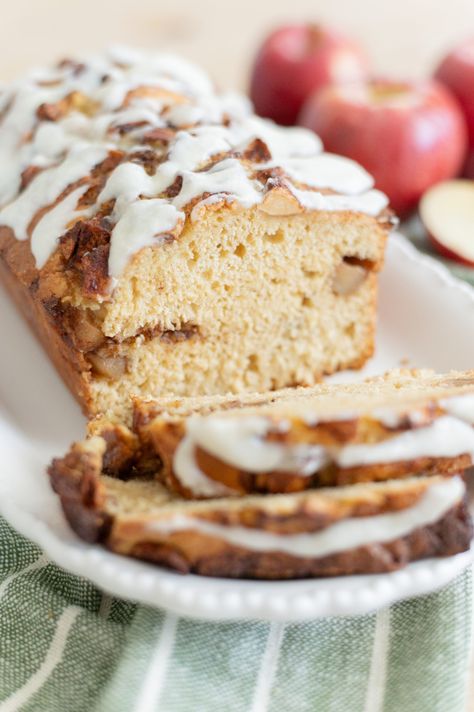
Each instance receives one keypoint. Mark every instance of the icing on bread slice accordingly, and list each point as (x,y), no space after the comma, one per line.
(404,423)
(364,528)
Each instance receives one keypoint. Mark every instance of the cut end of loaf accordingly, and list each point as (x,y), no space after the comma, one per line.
(244,303)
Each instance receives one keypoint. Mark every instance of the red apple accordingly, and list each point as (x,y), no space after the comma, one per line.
(456,71)
(296,60)
(408,135)
(447,212)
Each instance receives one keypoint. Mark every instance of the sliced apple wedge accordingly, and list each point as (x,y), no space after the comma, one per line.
(447,212)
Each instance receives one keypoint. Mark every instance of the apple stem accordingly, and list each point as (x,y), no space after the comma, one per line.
(313,38)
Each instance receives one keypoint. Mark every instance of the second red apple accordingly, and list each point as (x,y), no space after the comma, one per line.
(408,135)
(456,71)
(294,61)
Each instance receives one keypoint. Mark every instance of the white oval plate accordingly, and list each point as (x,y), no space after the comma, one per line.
(426,319)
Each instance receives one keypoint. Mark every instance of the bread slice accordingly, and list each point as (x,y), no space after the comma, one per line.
(160,238)
(366,528)
(290,440)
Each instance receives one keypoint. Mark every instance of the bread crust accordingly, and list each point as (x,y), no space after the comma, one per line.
(451,535)
(19,277)
(93,505)
(164,436)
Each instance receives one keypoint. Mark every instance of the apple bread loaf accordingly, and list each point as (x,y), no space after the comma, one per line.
(161,239)
(363,528)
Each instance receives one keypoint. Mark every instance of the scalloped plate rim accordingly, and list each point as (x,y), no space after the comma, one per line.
(224,599)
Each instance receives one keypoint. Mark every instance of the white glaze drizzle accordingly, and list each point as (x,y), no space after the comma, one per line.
(117,86)
(372,202)
(180,115)
(47,187)
(256,455)
(189,150)
(445,437)
(227,176)
(15,154)
(241,443)
(192,477)
(327,170)
(289,142)
(342,536)
(393,418)
(460,406)
(53,224)
(140,225)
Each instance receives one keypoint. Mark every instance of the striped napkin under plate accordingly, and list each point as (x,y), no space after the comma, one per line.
(66,647)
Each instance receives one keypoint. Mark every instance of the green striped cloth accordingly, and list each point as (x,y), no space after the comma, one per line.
(66,647)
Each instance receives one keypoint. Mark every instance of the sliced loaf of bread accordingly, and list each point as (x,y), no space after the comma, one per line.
(365,528)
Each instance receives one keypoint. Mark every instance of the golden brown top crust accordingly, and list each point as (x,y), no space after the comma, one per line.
(114,153)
